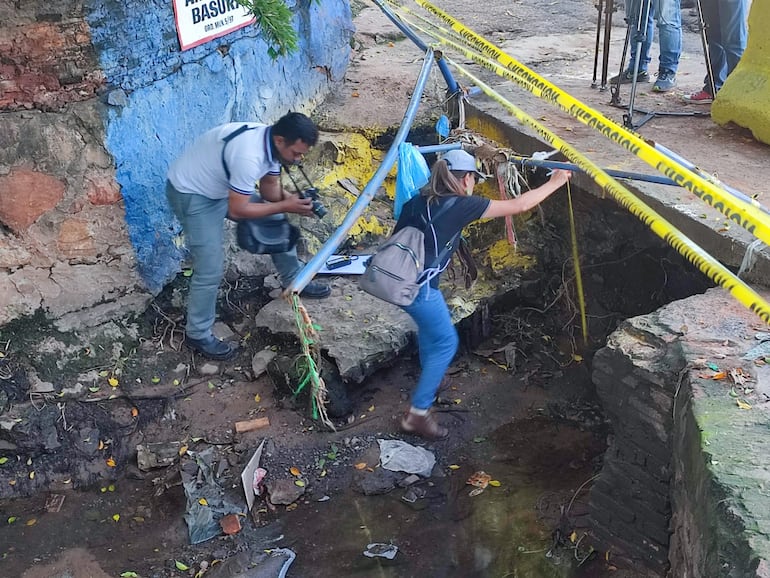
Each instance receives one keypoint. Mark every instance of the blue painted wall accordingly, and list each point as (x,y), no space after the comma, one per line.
(160,98)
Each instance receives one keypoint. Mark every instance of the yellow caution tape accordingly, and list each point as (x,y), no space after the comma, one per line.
(738,211)
(717,272)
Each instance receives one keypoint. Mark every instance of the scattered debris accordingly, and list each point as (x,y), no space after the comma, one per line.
(377,550)
(54,503)
(409,480)
(206,502)
(157,455)
(252,476)
(399,456)
(284,492)
(230,524)
(260,361)
(479,480)
(251,424)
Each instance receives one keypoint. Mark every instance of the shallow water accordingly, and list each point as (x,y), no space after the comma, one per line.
(504,531)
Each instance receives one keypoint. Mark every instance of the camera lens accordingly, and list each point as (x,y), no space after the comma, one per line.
(319,210)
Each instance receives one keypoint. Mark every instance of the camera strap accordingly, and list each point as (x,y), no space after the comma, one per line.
(291,177)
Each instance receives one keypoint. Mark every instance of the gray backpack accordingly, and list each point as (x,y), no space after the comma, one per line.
(397,270)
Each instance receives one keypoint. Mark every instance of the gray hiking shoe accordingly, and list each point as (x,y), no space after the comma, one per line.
(628,76)
(666,81)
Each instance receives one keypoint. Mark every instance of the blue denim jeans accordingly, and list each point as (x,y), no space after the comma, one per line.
(726,35)
(668,15)
(202,221)
(437,340)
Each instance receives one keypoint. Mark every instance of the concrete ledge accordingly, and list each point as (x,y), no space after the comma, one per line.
(743,98)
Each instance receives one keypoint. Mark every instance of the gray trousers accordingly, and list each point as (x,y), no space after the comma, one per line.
(203,221)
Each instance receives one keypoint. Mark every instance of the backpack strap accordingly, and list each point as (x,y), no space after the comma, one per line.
(431,271)
(227,139)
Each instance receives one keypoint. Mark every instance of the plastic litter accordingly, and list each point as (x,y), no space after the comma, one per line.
(413,173)
(443,126)
(399,456)
(199,483)
(377,550)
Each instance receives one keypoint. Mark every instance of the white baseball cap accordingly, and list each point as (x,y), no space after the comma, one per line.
(459,160)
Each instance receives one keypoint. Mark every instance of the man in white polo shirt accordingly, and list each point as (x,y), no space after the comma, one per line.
(216,178)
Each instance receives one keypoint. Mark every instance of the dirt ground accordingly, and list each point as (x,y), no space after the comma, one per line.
(519,403)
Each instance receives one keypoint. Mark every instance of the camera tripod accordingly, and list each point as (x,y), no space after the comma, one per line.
(605,10)
(636,32)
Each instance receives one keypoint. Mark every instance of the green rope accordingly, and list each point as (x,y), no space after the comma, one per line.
(306,331)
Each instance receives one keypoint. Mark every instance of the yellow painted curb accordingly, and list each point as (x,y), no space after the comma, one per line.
(745,95)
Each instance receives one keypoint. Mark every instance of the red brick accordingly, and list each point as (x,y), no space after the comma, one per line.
(25,195)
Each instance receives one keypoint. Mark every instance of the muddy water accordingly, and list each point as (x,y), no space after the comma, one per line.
(507,530)
(511,529)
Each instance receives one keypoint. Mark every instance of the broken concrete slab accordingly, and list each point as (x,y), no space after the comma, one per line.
(360,332)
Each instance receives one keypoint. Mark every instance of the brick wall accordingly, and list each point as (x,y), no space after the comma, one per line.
(96,100)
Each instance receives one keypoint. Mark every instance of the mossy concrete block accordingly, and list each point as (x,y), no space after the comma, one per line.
(743,98)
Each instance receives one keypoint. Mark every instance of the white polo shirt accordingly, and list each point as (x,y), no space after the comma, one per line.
(249,157)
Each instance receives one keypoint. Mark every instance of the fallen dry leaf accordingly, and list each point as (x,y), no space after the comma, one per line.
(360,465)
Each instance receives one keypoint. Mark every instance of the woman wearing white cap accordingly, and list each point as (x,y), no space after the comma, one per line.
(452,180)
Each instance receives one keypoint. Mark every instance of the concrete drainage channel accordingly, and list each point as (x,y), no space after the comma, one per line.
(641,505)
(655,327)
(683,486)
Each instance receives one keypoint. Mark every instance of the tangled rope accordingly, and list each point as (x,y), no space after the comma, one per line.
(310,354)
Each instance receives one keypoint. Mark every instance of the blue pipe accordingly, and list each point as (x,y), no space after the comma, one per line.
(451,83)
(439,148)
(710,178)
(525,161)
(308,271)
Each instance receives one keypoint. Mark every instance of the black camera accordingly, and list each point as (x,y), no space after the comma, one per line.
(309,193)
(318,208)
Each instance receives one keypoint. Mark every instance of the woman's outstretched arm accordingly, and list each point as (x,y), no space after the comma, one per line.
(528,200)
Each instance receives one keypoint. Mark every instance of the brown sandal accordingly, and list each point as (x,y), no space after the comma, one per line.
(423,425)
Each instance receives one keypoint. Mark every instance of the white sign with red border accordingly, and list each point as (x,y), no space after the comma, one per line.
(199,21)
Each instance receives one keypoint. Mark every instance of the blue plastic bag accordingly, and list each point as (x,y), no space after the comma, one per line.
(413,173)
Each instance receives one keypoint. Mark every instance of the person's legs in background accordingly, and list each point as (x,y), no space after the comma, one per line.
(733,16)
(713,29)
(437,340)
(726,35)
(669,18)
(288,266)
(632,18)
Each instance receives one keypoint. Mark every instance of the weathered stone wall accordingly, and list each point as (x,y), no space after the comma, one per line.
(636,378)
(96,100)
(684,486)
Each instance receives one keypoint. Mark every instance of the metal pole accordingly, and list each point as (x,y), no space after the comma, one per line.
(528,162)
(451,83)
(439,148)
(641,35)
(706,55)
(607,33)
(599,8)
(710,178)
(308,271)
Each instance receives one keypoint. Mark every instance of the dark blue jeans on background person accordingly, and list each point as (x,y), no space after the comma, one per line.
(437,340)
(667,14)
(202,221)
(726,35)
